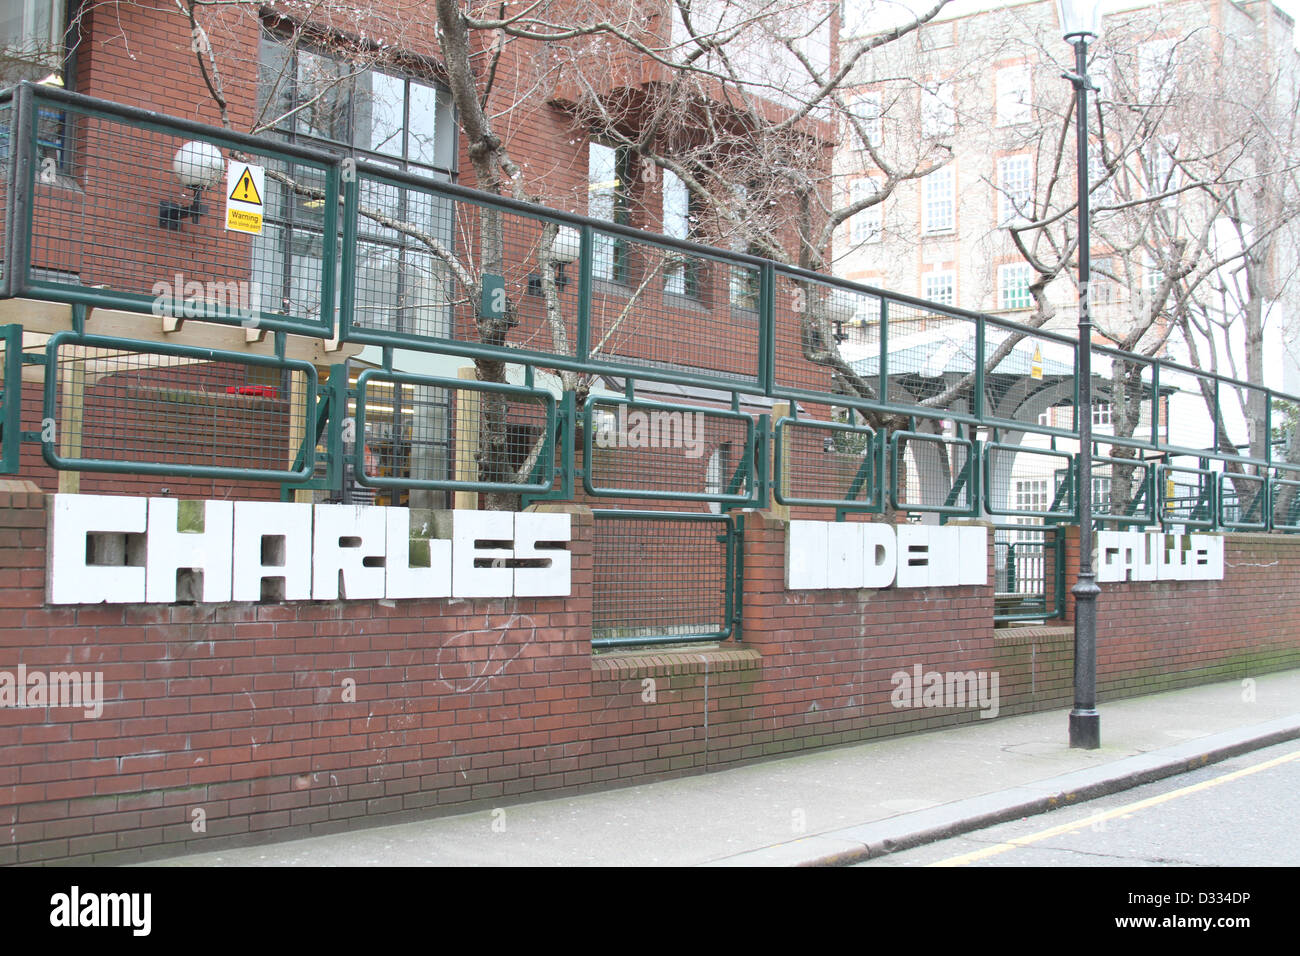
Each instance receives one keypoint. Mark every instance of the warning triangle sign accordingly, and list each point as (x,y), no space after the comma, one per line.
(246,190)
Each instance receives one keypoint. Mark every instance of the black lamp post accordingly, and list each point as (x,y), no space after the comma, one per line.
(1079,19)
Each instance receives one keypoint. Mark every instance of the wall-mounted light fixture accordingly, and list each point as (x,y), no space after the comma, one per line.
(565,248)
(198,166)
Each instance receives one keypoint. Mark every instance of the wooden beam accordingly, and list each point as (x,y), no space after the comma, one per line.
(50,317)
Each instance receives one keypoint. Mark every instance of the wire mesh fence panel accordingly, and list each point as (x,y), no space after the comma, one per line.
(1243,497)
(931,358)
(1284,498)
(933,473)
(405,434)
(1019,561)
(1188,402)
(1026,481)
(140,216)
(436,270)
(658,451)
(1187,495)
(6,158)
(660,578)
(1027,572)
(1029,377)
(673,314)
(1126,412)
(1123,490)
(827,463)
(826,338)
(155,409)
(420,431)
(1243,420)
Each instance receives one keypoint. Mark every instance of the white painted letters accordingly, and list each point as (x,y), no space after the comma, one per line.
(126,550)
(826,554)
(1157,556)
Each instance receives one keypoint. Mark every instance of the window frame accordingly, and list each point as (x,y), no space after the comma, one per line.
(290,130)
(948,224)
(1007,113)
(868,224)
(620,213)
(938,110)
(681,277)
(929,279)
(287,227)
(1008,213)
(1005,302)
(872,125)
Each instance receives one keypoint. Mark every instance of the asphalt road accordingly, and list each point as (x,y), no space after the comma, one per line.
(1241,812)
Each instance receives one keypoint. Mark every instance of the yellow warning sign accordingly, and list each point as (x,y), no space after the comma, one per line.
(1036,365)
(237,220)
(246,190)
(245,184)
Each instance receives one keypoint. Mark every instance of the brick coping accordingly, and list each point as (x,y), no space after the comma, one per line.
(710,658)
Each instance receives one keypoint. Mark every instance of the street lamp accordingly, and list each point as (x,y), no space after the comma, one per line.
(1079,20)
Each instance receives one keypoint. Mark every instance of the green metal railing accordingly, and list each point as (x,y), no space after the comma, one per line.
(110,221)
(668,452)
(96,216)
(934,474)
(828,464)
(1029,573)
(525,461)
(11,397)
(158,409)
(665,578)
(1060,503)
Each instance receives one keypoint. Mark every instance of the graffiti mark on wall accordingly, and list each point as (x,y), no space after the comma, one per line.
(469,660)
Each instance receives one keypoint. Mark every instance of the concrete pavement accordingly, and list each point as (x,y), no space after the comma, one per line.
(834,806)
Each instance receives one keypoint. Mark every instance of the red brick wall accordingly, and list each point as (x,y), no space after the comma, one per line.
(1163,634)
(237,710)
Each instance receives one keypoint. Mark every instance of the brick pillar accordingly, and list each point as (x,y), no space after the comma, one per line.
(764,583)
(22,549)
(1071,569)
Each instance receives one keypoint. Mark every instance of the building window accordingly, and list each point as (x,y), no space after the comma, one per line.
(386,117)
(1013,287)
(1101,287)
(939,288)
(1031,494)
(31,39)
(936,36)
(866,108)
(745,281)
(397,120)
(681,214)
(937,207)
(1101,413)
(1152,275)
(1015,190)
(938,111)
(1101,184)
(865,225)
(1013,95)
(32,48)
(609,183)
(1101,494)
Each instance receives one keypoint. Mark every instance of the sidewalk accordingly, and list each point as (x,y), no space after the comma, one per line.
(833,806)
